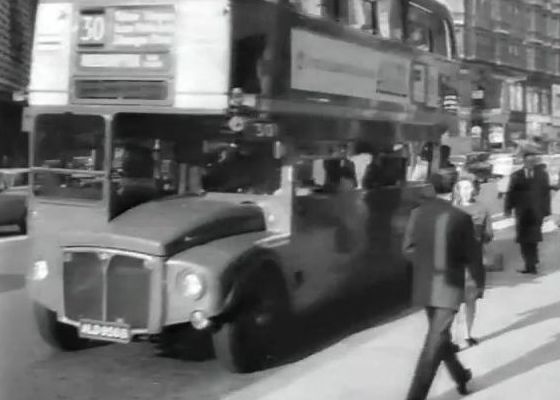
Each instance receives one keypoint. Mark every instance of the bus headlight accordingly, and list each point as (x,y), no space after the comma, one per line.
(190,284)
(40,270)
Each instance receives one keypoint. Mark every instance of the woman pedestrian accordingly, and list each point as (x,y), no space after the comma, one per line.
(464,196)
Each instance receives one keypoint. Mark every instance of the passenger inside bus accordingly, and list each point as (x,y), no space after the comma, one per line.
(340,175)
(137,183)
(248,64)
(241,168)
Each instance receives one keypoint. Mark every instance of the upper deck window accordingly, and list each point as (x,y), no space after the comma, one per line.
(430,32)
(359,14)
(253,28)
(390,14)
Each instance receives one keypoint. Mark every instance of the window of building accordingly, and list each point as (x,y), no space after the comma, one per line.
(545,102)
(556,103)
(311,7)
(550,25)
(17,29)
(496,10)
(533,100)
(519,106)
(336,9)
(533,17)
(531,57)
(542,23)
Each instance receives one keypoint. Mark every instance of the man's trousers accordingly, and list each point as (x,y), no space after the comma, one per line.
(437,348)
(530,253)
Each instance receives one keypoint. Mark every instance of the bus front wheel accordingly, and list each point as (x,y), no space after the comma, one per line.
(56,334)
(253,338)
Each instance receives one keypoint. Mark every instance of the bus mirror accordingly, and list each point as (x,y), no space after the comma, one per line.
(279,150)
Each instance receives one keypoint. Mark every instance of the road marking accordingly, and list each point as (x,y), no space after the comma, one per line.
(548,226)
(497,216)
(503,224)
(9,239)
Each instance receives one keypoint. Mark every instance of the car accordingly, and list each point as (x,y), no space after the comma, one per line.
(459,160)
(552,162)
(13,197)
(478,164)
(503,164)
(506,166)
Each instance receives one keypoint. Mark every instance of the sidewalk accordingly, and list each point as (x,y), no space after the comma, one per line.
(518,358)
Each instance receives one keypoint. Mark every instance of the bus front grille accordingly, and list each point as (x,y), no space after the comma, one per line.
(107,287)
(83,286)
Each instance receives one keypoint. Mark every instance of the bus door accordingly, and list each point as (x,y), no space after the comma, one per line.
(327,226)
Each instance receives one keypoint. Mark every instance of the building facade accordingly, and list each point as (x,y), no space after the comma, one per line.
(510,50)
(16,22)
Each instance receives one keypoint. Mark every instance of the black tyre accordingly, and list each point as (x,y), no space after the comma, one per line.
(186,343)
(255,336)
(60,336)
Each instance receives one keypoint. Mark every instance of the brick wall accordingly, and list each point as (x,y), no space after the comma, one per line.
(16,32)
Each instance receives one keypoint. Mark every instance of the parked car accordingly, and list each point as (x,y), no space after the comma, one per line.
(13,197)
(504,164)
(552,162)
(459,160)
(509,163)
(478,164)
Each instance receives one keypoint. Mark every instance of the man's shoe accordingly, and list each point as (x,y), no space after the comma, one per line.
(462,386)
(471,341)
(528,271)
(455,348)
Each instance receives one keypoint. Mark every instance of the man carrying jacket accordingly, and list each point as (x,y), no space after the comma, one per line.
(439,242)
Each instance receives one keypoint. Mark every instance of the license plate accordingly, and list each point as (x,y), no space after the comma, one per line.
(105,331)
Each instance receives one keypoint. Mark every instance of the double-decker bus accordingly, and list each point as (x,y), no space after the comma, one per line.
(222,165)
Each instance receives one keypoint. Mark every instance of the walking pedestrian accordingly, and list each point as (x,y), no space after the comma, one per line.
(528,195)
(464,196)
(439,242)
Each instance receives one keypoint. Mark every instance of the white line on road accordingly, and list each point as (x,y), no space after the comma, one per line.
(497,215)
(9,239)
(503,224)
(548,226)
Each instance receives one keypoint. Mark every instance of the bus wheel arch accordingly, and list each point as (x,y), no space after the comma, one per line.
(249,337)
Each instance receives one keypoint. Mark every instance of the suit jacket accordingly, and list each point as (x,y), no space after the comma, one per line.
(440,243)
(530,198)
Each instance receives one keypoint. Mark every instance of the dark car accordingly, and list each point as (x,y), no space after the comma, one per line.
(478,164)
(13,198)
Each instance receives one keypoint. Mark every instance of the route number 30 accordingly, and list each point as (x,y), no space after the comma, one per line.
(92,28)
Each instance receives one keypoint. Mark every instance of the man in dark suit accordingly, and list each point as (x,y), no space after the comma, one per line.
(439,242)
(529,196)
